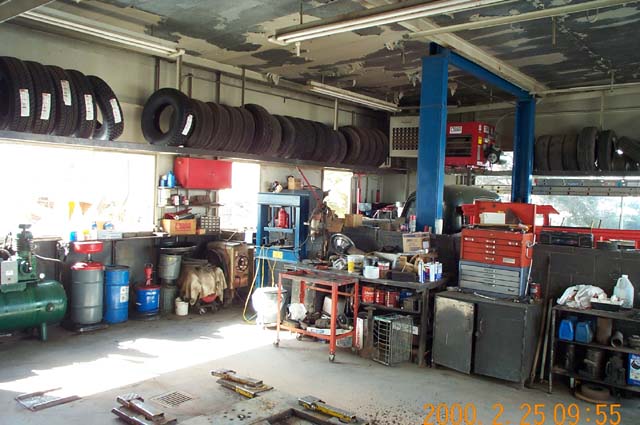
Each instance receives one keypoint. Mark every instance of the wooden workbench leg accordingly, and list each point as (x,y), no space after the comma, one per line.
(334,321)
(424,325)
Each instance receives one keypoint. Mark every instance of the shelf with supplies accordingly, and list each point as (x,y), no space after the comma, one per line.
(590,359)
(385,308)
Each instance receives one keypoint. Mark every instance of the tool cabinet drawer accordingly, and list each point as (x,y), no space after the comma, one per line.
(488,287)
(500,260)
(493,279)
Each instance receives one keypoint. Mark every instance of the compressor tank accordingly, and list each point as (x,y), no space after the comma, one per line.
(38,305)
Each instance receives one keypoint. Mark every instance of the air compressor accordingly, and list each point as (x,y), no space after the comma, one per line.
(27,300)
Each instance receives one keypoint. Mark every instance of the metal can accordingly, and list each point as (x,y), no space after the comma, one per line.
(535,290)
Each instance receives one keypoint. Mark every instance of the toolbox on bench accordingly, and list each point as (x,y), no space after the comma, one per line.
(497,247)
(493,279)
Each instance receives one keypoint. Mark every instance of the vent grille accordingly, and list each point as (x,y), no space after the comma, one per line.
(172,399)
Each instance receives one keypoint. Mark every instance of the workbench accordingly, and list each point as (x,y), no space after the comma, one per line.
(426,291)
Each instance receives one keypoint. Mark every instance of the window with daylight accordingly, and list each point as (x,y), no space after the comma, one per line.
(239,209)
(60,190)
(338,183)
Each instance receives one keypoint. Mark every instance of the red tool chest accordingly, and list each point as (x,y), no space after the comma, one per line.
(497,247)
(194,173)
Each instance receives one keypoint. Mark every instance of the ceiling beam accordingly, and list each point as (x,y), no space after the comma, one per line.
(13,8)
(522,17)
(470,51)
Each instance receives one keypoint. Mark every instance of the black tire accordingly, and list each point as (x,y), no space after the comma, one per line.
(112,124)
(570,153)
(333,146)
(234,143)
(44,116)
(305,139)
(202,127)
(262,136)
(309,140)
(385,146)
(17,98)
(288,141)
(181,121)
(248,129)
(276,137)
(630,148)
(342,147)
(620,162)
(85,105)
(555,153)
(587,149)
(221,126)
(541,154)
(607,141)
(354,148)
(321,148)
(66,112)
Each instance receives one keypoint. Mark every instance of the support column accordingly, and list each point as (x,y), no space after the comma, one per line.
(432,138)
(523,150)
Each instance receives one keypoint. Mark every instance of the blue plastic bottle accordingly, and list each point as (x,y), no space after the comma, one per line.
(566,331)
(584,332)
(171,179)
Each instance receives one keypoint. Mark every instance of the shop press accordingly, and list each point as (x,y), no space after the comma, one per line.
(26,299)
(282,233)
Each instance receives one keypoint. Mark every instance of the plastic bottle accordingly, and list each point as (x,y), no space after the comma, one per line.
(171,179)
(624,290)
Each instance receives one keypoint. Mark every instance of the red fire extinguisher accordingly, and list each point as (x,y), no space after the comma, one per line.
(283,218)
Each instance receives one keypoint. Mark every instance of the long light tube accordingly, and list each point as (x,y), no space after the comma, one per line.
(106,32)
(349,96)
(330,27)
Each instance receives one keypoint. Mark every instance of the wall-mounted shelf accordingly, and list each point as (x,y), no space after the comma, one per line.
(145,148)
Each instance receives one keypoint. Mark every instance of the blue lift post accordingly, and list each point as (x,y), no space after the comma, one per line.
(432,132)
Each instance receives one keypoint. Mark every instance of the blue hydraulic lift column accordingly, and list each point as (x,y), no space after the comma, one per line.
(432,137)
(432,132)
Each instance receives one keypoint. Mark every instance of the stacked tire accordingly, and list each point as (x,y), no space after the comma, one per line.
(253,130)
(591,150)
(46,99)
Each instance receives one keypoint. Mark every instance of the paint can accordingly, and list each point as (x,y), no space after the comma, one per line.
(379,296)
(392,299)
(368,294)
(535,290)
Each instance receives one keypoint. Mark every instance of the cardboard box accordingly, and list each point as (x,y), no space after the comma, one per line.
(352,220)
(294,184)
(335,225)
(179,227)
(415,241)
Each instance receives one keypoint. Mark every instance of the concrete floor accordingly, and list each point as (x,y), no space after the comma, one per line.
(152,358)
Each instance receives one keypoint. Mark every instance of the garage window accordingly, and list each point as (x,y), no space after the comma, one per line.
(240,203)
(59,190)
(339,185)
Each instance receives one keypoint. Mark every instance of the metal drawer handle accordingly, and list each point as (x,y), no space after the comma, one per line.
(490,258)
(489,252)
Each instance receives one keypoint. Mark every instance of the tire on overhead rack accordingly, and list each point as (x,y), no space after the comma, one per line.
(181,121)
(234,143)
(385,146)
(112,124)
(248,129)
(44,114)
(262,136)
(541,154)
(555,153)
(202,127)
(342,147)
(379,147)
(354,145)
(276,137)
(606,146)
(221,126)
(332,145)
(17,97)
(570,153)
(66,114)
(85,104)
(369,144)
(321,149)
(288,139)
(301,135)
(311,139)
(630,148)
(587,149)
(620,163)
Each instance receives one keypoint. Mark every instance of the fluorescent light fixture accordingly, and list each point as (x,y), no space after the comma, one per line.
(350,96)
(110,33)
(375,17)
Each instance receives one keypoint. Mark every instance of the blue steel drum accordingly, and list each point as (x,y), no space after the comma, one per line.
(116,294)
(147,298)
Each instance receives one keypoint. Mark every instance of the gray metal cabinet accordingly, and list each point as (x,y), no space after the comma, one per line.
(453,333)
(502,341)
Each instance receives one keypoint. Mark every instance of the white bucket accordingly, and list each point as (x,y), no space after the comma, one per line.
(371,272)
(182,307)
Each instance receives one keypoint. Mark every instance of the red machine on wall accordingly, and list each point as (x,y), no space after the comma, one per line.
(470,144)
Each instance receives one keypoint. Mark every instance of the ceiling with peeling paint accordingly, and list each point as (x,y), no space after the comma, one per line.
(589,48)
